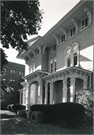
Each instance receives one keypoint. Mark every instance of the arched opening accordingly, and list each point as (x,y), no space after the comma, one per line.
(34,93)
(58,85)
(78,86)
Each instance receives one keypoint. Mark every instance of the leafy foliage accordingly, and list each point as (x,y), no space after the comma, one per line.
(86,98)
(19,19)
(3,60)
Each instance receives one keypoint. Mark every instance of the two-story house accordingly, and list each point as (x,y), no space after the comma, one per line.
(61,62)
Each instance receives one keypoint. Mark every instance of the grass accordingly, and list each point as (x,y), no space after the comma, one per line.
(11,124)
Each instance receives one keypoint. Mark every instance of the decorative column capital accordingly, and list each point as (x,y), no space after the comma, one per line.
(75,21)
(56,38)
(39,48)
(65,32)
(44,47)
(33,51)
(72,80)
(89,14)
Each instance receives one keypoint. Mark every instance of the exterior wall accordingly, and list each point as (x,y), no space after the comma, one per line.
(37,62)
(13,97)
(51,56)
(85,41)
(45,60)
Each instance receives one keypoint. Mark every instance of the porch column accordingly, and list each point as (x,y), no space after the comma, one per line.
(40,84)
(51,93)
(85,84)
(46,93)
(28,89)
(72,89)
(64,91)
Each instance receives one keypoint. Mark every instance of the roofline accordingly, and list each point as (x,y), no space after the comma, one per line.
(80,3)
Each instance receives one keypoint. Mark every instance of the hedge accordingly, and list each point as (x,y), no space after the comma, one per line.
(70,113)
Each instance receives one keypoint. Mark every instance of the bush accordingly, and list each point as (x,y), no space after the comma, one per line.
(86,98)
(70,113)
(15,107)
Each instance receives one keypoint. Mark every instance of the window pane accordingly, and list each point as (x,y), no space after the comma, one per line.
(55,66)
(75,59)
(68,62)
(86,22)
(51,67)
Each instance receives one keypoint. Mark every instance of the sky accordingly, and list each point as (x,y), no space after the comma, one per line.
(53,10)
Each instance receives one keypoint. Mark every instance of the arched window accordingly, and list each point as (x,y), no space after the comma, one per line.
(68,57)
(75,54)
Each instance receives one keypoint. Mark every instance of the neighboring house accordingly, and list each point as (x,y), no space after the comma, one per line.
(61,62)
(12,77)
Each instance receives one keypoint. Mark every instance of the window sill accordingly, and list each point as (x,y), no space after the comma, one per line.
(83,29)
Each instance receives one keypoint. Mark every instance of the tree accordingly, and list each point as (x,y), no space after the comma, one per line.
(19,19)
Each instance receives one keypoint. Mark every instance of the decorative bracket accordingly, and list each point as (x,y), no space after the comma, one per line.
(44,47)
(89,14)
(65,32)
(75,21)
(56,38)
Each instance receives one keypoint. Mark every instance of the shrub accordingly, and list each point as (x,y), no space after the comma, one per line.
(70,113)
(86,98)
(15,107)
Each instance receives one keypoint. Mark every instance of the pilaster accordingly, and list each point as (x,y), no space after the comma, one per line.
(46,93)
(51,93)
(64,91)
(72,89)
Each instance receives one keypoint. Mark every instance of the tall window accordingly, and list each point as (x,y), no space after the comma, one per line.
(51,66)
(68,57)
(55,65)
(75,58)
(84,23)
(75,48)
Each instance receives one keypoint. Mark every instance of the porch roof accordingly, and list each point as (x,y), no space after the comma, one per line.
(67,70)
(36,73)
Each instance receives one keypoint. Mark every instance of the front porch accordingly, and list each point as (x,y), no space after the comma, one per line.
(62,86)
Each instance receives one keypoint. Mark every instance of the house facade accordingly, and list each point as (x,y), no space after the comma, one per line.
(12,77)
(61,62)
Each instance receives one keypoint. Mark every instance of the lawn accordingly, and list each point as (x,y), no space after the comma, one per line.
(12,124)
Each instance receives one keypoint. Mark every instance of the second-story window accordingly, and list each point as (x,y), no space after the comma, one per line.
(54,48)
(75,48)
(51,66)
(55,65)
(84,23)
(68,57)
(73,31)
(63,38)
